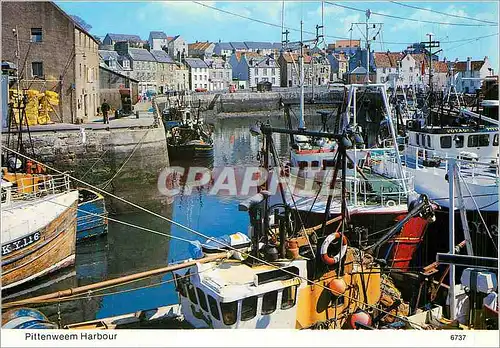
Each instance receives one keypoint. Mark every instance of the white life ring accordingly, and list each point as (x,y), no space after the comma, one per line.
(390,203)
(324,249)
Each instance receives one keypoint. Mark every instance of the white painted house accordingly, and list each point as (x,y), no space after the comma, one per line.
(157,40)
(199,74)
(469,74)
(387,67)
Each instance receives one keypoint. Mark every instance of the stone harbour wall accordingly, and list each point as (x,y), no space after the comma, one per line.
(96,155)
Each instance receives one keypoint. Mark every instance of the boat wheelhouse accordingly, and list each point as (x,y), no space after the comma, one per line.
(427,154)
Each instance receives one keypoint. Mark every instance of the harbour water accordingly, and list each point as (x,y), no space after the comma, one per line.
(126,250)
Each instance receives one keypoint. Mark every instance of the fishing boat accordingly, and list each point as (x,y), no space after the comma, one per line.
(38,226)
(187,135)
(92,215)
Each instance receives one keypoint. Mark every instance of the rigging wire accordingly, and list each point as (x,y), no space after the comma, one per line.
(409,19)
(229,247)
(443,13)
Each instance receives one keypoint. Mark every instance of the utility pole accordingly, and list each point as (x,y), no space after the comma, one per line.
(429,45)
(318,36)
(368,38)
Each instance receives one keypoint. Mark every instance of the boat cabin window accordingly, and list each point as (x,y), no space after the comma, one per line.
(495,140)
(202,299)
(248,308)
(214,309)
(269,302)
(429,141)
(446,142)
(229,311)
(314,164)
(302,164)
(417,138)
(459,141)
(192,294)
(288,297)
(478,140)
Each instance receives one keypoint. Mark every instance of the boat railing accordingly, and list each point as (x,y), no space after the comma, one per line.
(379,190)
(474,167)
(51,184)
(384,181)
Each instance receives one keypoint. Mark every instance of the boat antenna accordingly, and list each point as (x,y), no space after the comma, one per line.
(302,80)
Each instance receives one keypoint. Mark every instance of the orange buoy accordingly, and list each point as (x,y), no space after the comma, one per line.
(359,316)
(337,286)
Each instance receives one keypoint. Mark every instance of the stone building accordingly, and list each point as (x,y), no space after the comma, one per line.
(55,54)
(165,71)
(115,86)
(143,65)
(181,82)
(220,74)
(338,66)
(290,69)
(133,40)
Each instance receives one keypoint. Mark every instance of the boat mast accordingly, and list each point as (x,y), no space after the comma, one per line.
(367,48)
(301,64)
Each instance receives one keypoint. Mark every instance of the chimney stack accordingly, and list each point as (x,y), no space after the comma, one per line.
(468,64)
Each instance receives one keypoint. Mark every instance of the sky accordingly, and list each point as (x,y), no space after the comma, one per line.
(195,22)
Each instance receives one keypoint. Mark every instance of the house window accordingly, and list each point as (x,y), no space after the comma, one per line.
(248,308)
(36,34)
(195,77)
(274,80)
(383,70)
(203,299)
(256,72)
(411,69)
(264,72)
(256,80)
(205,85)
(446,142)
(229,312)
(274,71)
(37,69)
(288,297)
(214,309)
(269,302)
(205,77)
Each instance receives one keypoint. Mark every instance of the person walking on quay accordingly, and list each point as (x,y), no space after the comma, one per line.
(105,109)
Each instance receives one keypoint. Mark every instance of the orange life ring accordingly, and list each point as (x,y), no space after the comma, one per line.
(324,249)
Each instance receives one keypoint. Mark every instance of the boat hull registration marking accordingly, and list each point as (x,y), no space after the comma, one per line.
(21,243)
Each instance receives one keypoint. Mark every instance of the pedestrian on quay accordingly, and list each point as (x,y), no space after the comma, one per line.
(105,109)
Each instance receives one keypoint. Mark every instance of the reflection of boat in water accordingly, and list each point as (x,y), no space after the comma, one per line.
(92,215)
(38,226)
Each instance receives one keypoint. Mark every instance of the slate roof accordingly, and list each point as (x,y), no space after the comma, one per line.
(224,45)
(260,61)
(106,54)
(238,45)
(358,71)
(161,56)
(141,54)
(158,35)
(475,65)
(253,45)
(124,37)
(277,45)
(195,63)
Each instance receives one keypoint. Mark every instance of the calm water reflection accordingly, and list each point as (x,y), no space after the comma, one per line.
(127,250)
